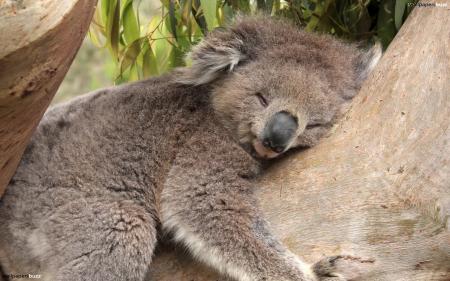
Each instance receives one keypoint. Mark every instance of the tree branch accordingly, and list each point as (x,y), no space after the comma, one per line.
(37,45)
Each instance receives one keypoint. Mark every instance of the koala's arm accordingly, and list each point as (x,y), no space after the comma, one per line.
(208,205)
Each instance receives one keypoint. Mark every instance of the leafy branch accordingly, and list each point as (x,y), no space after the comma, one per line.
(141,49)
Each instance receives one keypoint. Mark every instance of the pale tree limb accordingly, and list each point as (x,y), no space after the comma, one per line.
(379,186)
(38,41)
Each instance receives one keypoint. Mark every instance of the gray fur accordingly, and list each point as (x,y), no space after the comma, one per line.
(105,170)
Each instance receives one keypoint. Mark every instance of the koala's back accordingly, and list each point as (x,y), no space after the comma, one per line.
(113,145)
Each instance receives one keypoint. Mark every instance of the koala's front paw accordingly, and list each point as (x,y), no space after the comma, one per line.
(341,268)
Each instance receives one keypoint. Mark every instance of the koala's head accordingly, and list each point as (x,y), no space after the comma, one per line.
(276,87)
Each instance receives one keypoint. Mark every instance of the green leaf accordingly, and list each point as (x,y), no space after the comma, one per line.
(159,44)
(97,21)
(149,67)
(97,30)
(172,19)
(104,10)
(276,6)
(318,14)
(130,55)
(197,31)
(112,26)
(264,5)
(199,16)
(186,10)
(93,35)
(400,6)
(131,30)
(227,14)
(269,6)
(261,4)
(209,11)
(134,73)
(165,3)
(385,25)
(240,5)
(176,57)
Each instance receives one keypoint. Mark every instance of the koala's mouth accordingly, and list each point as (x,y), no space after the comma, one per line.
(277,135)
(263,151)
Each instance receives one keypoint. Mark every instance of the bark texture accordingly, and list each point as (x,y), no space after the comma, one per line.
(38,41)
(379,186)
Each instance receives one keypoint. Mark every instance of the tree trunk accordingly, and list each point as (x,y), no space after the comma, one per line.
(379,186)
(38,41)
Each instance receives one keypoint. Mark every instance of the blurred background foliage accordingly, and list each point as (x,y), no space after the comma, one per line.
(135,39)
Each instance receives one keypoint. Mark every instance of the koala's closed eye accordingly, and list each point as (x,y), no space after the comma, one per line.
(262,100)
(314,125)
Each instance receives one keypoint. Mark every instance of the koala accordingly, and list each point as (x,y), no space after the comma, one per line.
(106,173)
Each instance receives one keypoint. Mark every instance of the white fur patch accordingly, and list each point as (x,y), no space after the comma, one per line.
(38,244)
(370,60)
(200,250)
(375,56)
(304,267)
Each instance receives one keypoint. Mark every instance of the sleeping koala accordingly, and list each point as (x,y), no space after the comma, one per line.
(180,153)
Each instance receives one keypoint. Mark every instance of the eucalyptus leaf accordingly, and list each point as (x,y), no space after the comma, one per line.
(130,55)
(209,11)
(385,25)
(112,26)
(104,7)
(186,10)
(172,18)
(131,29)
(400,7)
(199,16)
(150,66)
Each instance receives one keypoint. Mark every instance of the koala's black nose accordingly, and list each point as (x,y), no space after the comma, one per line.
(279,131)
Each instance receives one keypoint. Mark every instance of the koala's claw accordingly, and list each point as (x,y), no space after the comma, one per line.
(340,267)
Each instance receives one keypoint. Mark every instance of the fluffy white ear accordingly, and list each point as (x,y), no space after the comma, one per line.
(218,54)
(368,60)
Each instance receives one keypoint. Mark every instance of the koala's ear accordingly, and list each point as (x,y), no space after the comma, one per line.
(367,61)
(216,55)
